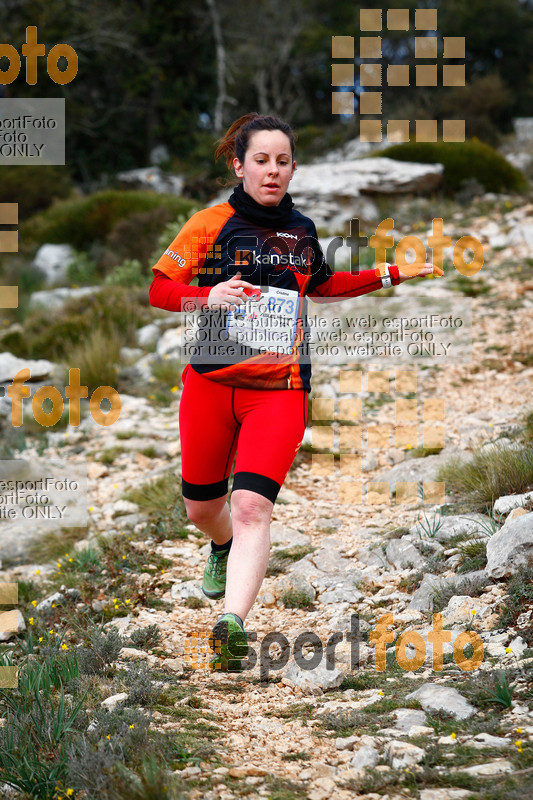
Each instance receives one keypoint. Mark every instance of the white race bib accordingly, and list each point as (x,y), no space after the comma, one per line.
(266,324)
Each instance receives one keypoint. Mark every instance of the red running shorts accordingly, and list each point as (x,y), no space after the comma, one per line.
(263,427)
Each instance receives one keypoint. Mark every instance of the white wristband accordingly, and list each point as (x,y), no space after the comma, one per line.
(386,280)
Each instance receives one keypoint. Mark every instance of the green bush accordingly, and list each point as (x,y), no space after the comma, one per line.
(462,161)
(137,236)
(84,220)
(489,474)
(129,273)
(116,308)
(34,188)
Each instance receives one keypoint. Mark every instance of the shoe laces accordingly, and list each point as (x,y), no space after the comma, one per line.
(218,563)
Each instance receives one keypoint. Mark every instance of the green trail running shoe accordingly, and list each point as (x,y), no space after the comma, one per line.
(229,643)
(214,584)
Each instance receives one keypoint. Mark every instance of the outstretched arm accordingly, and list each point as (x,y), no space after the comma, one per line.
(347,284)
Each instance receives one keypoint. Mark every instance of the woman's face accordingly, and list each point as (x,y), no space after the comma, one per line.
(268,167)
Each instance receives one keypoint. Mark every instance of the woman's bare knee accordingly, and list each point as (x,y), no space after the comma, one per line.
(203,512)
(250,508)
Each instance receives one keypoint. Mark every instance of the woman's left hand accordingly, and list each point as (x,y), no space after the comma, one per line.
(418,270)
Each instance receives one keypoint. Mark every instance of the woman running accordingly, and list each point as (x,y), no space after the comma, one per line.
(257,259)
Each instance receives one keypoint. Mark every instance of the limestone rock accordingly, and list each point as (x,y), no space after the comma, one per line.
(55,299)
(111,703)
(365,756)
(511,547)
(509,501)
(313,681)
(10,365)
(496,767)
(151,178)
(53,260)
(402,754)
(401,553)
(433,697)
(11,623)
(45,606)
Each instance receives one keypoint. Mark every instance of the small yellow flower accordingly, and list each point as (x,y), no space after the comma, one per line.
(71,559)
(151,396)
(59,563)
(519,730)
(53,605)
(64,647)
(91,508)
(165,356)
(123,557)
(162,572)
(108,737)
(37,571)
(51,632)
(131,727)
(115,600)
(453,736)
(34,603)
(518,743)
(380,692)
(174,389)
(508,650)
(115,486)
(70,792)
(473,611)
(128,602)
(40,638)
(30,620)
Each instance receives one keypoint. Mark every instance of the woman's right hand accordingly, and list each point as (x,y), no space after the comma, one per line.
(228,294)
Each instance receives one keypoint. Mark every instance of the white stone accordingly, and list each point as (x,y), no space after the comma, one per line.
(313,681)
(54,299)
(11,623)
(496,767)
(403,754)
(10,365)
(124,507)
(53,261)
(169,343)
(401,553)
(147,335)
(511,547)
(433,697)
(459,610)
(151,178)
(509,501)
(486,740)
(45,606)
(364,757)
(112,702)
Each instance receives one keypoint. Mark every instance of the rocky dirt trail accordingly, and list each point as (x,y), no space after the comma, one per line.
(343,732)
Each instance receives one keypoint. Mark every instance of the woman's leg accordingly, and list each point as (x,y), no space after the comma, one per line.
(272,428)
(208,433)
(250,550)
(212,517)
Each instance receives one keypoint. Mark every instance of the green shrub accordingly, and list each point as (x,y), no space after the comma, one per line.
(34,188)
(137,236)
(489,474)
(43,336)
(462,161)
(82,270)
(84,220)
(129,273)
